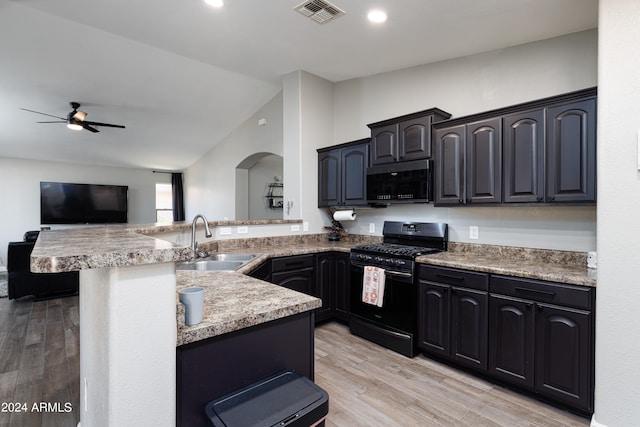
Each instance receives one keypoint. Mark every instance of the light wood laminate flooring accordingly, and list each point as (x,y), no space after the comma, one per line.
(368,385)
(371,386)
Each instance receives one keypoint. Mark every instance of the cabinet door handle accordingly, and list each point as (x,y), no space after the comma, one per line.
(293,264)
(447,277)
(540,198)
(535,291)
(552,197)
(461,201)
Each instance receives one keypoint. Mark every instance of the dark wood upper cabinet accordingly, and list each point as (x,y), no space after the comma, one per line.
(342,174)
(404,138)
(571,152)
(450,165)
(469,163)
(329,178)
(484,161)
(523,161)
(542,151)
(384,145)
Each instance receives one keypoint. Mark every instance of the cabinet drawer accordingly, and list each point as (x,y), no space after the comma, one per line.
(291,263)
(455,277)
(549,292)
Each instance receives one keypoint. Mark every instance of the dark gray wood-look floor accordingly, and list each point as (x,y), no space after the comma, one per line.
(39,362)
(367,384)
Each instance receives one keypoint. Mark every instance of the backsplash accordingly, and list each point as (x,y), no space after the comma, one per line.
(279,241)
(524,254)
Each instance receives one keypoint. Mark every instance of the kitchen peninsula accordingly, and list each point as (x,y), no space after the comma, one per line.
(128,309)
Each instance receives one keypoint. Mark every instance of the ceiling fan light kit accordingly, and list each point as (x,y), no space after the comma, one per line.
(76,119)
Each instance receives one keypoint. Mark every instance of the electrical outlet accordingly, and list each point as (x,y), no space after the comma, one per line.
(372,227)
(225,231)
(305,226)
(295,227)
(473,232)
(242,230)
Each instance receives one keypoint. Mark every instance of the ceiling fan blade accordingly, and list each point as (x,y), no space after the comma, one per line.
(104,124)
(58,121)
(87,127)
(44,114)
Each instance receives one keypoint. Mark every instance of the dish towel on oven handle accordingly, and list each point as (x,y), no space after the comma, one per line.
(373,285)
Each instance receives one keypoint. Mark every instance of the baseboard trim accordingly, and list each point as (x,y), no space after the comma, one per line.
(595,423)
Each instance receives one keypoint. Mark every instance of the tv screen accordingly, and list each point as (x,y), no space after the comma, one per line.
(65,203)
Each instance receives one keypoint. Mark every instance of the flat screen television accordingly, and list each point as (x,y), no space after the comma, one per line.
(65,203)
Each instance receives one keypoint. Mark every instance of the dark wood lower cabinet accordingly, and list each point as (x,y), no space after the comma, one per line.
(541,338)
(469,327)
(212,368)
(433,318)
(294,272)
(324,275)
(452,315)
(564,355)
(341,309)
(511,340)
(532,334)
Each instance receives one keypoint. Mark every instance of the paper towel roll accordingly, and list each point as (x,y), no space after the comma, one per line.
(348,215)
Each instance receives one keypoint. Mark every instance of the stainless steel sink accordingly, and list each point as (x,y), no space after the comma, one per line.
(218,262)
(232,257)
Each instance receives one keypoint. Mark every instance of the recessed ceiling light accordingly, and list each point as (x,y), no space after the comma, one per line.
(377,15)
(215,3)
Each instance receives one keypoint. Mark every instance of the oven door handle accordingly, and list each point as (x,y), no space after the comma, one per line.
(398,273)
(389,272)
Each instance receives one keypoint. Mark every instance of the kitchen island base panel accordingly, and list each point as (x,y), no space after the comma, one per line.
(127,352)
(215,367)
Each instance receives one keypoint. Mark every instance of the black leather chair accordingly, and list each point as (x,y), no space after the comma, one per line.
(22,282)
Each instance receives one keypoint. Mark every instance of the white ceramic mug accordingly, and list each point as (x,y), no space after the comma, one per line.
(193,300)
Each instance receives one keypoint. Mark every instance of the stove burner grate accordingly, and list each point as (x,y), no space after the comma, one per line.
(395,249)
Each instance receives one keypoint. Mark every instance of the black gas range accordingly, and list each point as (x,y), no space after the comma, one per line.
(394,324)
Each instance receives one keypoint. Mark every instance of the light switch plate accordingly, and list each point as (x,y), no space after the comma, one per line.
(225,231)
(372,227)
(473,232)
(305,226)
(295,227)
(242,230)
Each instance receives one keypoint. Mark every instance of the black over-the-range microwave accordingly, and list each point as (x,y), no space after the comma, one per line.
(404,182)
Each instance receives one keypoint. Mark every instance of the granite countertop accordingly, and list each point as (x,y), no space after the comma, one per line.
(234,301)
(530,269)
(101,247)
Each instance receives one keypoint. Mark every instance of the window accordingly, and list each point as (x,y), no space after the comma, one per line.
(164,203)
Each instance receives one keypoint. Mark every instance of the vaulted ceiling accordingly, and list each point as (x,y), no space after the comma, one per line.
(181,75)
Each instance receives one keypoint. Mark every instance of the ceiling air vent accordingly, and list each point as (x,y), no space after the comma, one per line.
(319,10)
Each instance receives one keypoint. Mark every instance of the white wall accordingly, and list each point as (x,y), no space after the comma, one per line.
(617,340)
(210,187)
(260,176)
(466,86)
(20,192)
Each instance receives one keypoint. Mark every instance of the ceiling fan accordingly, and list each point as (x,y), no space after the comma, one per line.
(76,119)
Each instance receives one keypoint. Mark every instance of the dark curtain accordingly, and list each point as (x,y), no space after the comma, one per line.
(178,196)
